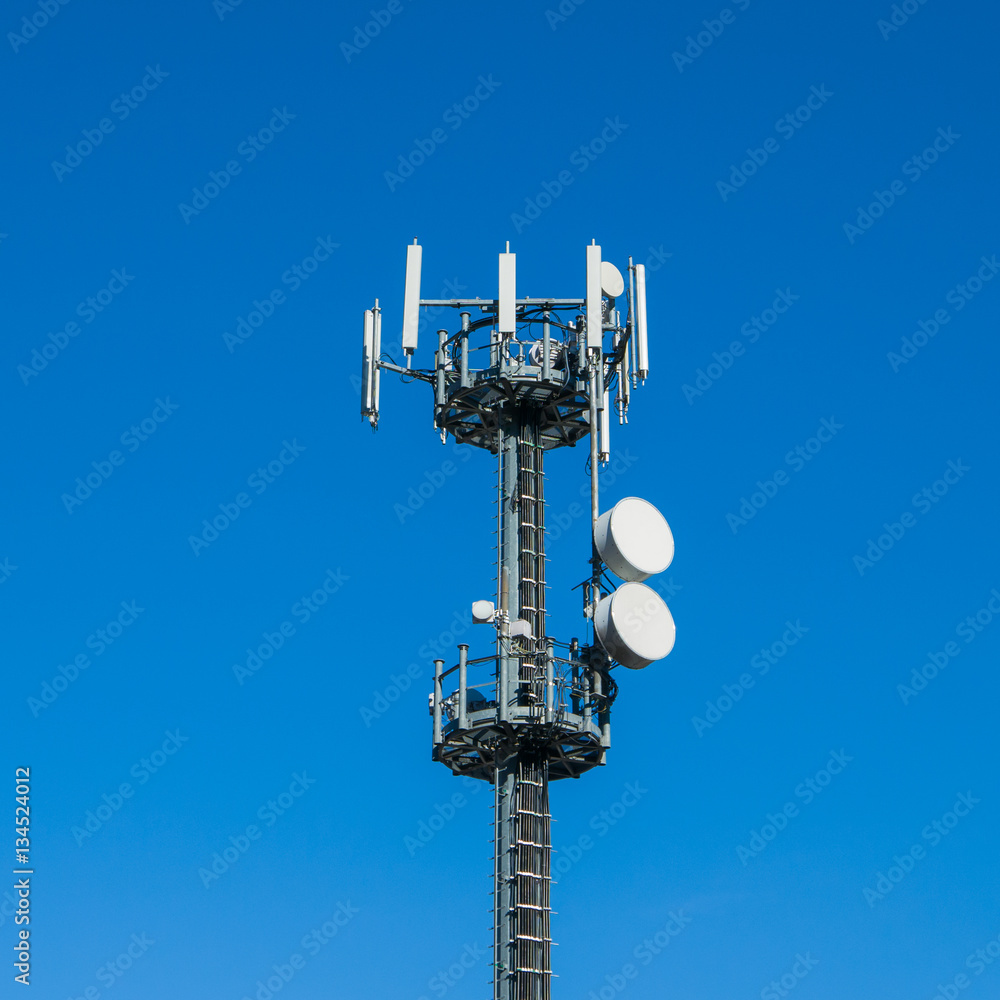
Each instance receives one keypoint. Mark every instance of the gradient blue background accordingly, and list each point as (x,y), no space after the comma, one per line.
(654,188)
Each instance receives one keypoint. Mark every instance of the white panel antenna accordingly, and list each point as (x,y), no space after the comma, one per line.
(370,372)
(604,452)
(625,382)
(376,375)
(507,300)
(368,364)
(641,346)
(595,317)
(411,297)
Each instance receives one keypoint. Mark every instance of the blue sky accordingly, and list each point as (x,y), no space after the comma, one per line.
(830,482)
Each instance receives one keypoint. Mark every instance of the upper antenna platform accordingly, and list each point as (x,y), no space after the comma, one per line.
(543,352)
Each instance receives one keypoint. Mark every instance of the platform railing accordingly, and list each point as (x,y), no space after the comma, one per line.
(563,690)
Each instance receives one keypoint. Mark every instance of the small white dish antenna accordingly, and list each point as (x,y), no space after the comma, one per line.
(612,282)
(521,627)
(635,625)
(482,612)
(634,540)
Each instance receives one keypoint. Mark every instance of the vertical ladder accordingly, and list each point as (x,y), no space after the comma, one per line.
(531,564)
(522,937)
(531,483)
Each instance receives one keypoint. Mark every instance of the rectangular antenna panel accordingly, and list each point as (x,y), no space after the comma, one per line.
(368,364)
(507,301)
(411,297)
(595,317)
(376,354)
(604,421)
(641,346)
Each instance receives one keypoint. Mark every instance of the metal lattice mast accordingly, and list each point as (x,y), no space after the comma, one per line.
(534,709)
(522,939)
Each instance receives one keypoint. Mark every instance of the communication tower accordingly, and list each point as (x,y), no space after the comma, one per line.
(518,378)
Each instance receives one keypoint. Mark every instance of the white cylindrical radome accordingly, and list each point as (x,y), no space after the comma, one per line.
(634,540)
(635,625)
